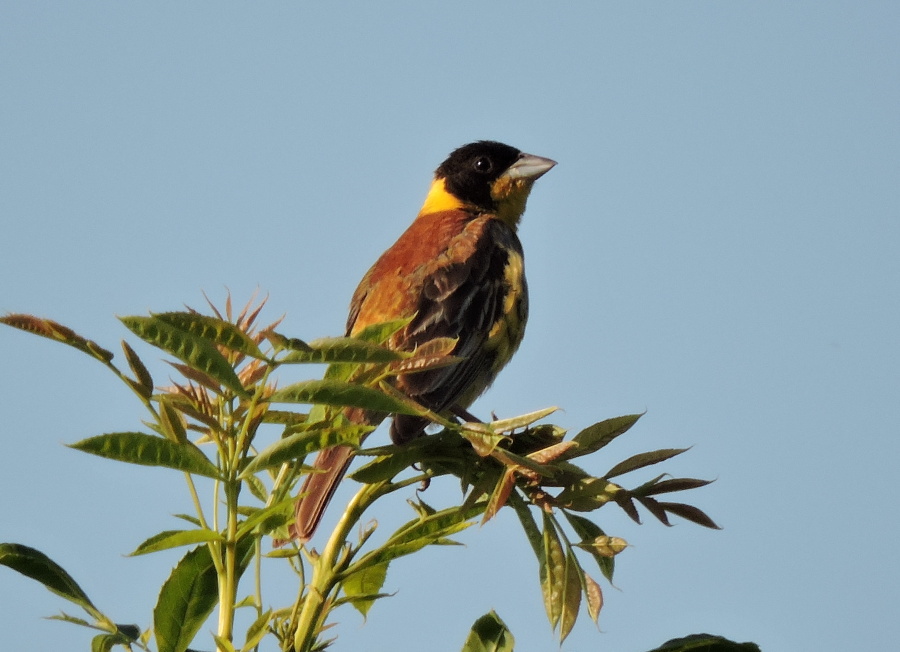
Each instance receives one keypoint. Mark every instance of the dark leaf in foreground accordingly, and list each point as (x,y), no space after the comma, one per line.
(39,567)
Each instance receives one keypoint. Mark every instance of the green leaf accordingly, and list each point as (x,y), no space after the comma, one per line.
(508,425)
(214,330)
(302,443)
(571,598)
(419,533)
(189,595)
(257,631)
(344,350)
(124,636)
(342,394)
(186,600)
(587,494)
(39,567)
(195,351)
(489,634)
(144,384)
(174,539)
(269,518)
(279,341)
(380,333)
(595,437)
(552,572)
(148,450)
(223,644)
(532,532)
(360,586)
(641,460)
(396,459)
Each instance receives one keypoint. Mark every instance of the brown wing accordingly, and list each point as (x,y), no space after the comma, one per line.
(452,270)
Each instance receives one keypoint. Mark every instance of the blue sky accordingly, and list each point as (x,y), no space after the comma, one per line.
(718,246)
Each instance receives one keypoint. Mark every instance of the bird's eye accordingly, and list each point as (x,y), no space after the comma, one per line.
(483,164)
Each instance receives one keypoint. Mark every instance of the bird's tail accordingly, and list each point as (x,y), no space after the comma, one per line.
(318,488)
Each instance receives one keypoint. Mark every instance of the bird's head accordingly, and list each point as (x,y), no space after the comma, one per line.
(486,176)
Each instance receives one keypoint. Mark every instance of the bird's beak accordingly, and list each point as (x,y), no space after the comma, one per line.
(528,166)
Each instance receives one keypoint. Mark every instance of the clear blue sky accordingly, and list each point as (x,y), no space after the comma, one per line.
(719,245)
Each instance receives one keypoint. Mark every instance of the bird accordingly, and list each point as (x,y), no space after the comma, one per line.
(456,272)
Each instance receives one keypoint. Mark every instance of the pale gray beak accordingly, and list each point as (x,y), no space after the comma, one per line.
(529,166)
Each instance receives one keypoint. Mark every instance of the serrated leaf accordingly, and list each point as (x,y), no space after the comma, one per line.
(361,585)
(290,343)
(595,437)
(690,513)
(342,394)
(36,565)
(302,443)
(214,330)
(148,450)
(189,595)
(641,460)
(489,634)
(195,351)
(56,331)
(334,350)
(174,539)
(144,384)
(186,600)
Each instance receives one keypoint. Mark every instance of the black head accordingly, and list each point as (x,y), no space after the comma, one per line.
(470,171)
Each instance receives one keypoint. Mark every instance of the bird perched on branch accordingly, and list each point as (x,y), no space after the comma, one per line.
(458,272)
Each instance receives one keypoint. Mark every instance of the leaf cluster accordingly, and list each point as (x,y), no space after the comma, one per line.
(225,419)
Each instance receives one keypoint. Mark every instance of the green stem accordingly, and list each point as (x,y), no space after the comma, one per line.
(326,571)
(228,580)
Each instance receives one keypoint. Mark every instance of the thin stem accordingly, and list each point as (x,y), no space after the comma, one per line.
(326,571)
(228,581)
